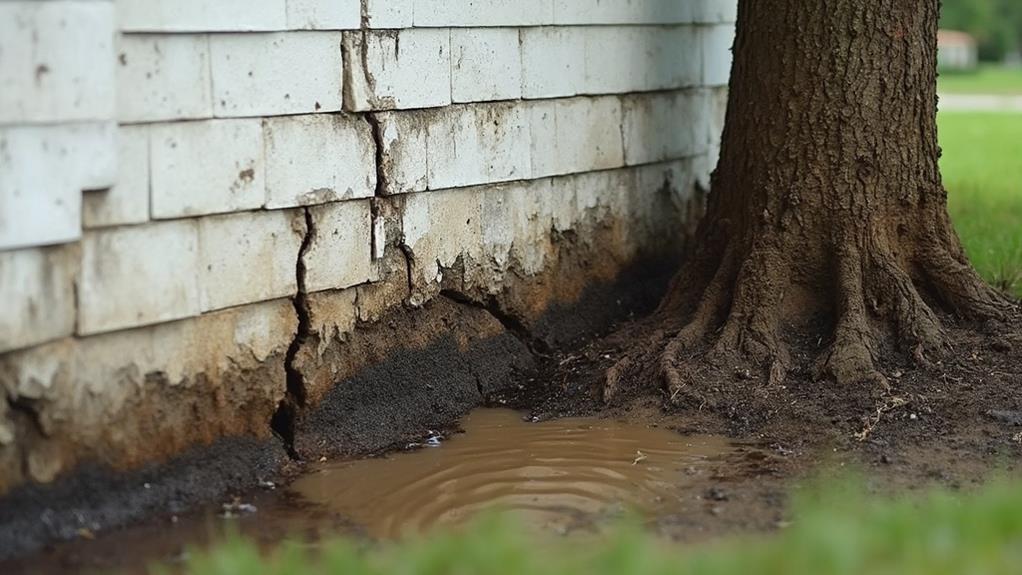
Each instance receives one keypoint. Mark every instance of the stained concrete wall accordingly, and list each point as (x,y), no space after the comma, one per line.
(201,202)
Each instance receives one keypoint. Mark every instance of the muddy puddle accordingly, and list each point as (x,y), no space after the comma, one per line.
(573,475)
(560,475)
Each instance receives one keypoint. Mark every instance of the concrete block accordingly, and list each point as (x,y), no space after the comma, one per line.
(665,126)
(56,61)
(320,158)
(717,42)
(516,223)
(274,74)
(486,64)
(677,179)
(340,254)
(96,154)
(576,135)
(388,13)
(40,184)
(714,11)
(127,201)
(332,315)
(553,61)
(403,139)
(621,59)
(716,113)
(438,227)
(163,77)
(324,14)
(478,144)
(248,257)
(138,275)
(206,167)
(474,13)
(201,15)
(397,69)
(575,12)
(37,288)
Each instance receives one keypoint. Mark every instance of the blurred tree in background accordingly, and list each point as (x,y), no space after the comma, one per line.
(996,25)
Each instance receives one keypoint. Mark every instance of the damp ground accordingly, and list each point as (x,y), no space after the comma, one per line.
(550,451)
(571,476)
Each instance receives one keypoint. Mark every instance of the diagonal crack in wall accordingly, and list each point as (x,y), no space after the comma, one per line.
(508,319)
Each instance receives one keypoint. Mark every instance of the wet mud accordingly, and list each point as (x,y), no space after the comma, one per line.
(558,475)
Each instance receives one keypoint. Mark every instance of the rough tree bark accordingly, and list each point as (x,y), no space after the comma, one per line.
(826,202)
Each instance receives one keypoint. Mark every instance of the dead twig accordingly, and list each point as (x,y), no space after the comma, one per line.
(872,422)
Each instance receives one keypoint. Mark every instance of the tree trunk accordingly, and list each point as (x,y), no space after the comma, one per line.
(826,202)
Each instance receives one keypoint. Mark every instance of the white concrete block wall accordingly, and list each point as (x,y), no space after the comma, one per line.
(127,200)
(272,74)
(40,196)
(641,58)
(312,159)
(191,141)
(340,251)
(201,15)
(717,42)
(576,135)
(478,144)
(324,14)
(37,291)
(207,167)
(397,69)
(55,63)
(645,117)
(163,77)
(479,13)
(138,275)
(232,108)
(553,62)
(403,138)
(486,64)
(388,13)
(568,12)
(248,257)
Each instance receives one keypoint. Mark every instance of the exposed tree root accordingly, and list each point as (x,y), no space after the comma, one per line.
(735,327)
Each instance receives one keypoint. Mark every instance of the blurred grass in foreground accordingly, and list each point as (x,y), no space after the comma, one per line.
(840,530)
(982,169)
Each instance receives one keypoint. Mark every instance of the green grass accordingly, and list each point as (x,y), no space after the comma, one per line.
(986,80)
(982,169)
(840,531)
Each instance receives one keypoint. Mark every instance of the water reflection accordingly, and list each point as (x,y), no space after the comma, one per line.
(560,475)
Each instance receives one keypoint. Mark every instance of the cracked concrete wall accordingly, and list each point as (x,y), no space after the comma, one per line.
(203,205)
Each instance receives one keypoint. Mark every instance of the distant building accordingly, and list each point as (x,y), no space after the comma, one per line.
(956,50)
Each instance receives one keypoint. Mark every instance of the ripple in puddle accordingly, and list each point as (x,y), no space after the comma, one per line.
(558,475)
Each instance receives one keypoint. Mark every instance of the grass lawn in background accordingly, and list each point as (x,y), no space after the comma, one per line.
(982,168)
(986,80)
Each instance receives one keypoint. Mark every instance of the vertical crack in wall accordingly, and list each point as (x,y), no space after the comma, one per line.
(381,174)
(376,129)
(285,418)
